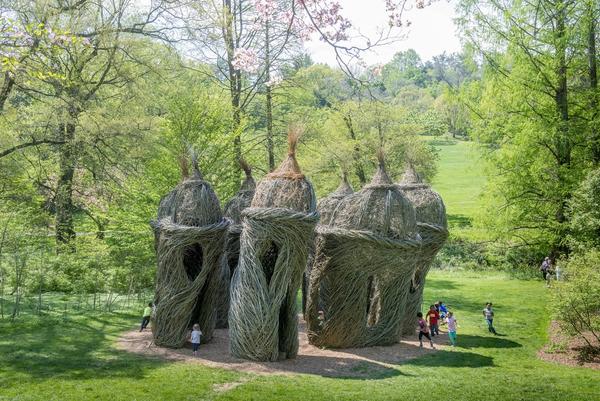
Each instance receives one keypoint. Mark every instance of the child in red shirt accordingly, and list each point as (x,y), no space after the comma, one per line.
(433,316)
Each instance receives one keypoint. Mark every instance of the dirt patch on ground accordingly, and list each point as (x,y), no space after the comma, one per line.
(369,362)
(564,349)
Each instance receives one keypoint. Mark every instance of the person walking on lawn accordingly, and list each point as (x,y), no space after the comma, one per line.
(451,322)
(423,330)
(433,316)
(488,314)
(146,316)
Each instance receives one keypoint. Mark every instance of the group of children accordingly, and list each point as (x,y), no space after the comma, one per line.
(429,326)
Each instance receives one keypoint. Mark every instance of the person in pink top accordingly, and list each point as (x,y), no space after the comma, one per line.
(423,330)
(451,322)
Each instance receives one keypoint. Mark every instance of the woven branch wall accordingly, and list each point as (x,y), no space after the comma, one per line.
(233,210)
(364,264)
(190,239)
(432,227)
(277,231)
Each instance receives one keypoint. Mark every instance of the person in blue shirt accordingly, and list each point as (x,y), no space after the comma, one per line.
(442,309)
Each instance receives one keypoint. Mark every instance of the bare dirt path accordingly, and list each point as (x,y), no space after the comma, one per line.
(373,362)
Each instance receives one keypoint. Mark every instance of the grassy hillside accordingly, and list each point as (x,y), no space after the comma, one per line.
(460,180)
(74,359)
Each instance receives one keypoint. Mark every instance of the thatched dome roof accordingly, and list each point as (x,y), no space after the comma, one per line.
(327,205)
(193,202)
(286,187)
(379,207)
(233,208)
(428,204)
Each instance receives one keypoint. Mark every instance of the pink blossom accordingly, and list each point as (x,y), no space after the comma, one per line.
(327,15)
(245,60)
(265,9)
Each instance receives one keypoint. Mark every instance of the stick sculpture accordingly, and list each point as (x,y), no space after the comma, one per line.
(276,234)
(190,235)
(325,207)
(233,211)
(365,258)
(432,226)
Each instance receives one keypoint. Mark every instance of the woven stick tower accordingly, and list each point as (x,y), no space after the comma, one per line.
(365,258)
(276,233)
(190,236)
(433,228)
(233,211)
(325,207)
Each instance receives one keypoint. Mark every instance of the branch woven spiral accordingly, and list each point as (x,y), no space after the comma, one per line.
(277,231)
(233,210)
(190,237)
(432,227)
(366,257)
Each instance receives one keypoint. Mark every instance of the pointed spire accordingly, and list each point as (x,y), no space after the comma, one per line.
(290,167)
(344,188)
(249,184)
(197,174)
(381,176)
(411,176)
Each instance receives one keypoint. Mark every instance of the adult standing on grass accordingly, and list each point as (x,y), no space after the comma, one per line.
(146,316)
(433,316)
(488,314)
(423,330)
(545,267)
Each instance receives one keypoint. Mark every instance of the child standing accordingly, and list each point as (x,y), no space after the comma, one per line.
(195,338)
(423,330)
(442,309)
(488,314)
(451,322)
(433,316)
(146,316)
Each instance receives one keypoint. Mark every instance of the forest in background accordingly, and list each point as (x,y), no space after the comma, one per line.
(101,102)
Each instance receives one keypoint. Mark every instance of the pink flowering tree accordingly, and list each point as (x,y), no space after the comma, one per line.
(249,41)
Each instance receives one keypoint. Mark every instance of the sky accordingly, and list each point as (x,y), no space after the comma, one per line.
(432,31)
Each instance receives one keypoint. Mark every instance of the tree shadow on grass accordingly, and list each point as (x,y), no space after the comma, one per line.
(459,221)
(77,348)
(440,284)
(453,360)
(470,341)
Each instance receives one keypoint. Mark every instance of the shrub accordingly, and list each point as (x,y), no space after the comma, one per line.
(577,300)
(584,213)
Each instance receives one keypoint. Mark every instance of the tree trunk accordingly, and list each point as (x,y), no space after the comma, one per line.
(562,141)
(269,101)
(65,232)
(235,82)
(593,76)
(358,168)
(7,86)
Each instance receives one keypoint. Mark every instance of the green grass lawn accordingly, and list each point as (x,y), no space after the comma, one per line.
(459,180)
(73,358)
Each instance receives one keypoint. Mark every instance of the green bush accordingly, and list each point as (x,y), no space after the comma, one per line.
(584,213)
(577,300)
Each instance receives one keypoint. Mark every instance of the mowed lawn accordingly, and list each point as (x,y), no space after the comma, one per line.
(74,358)
(460,180)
